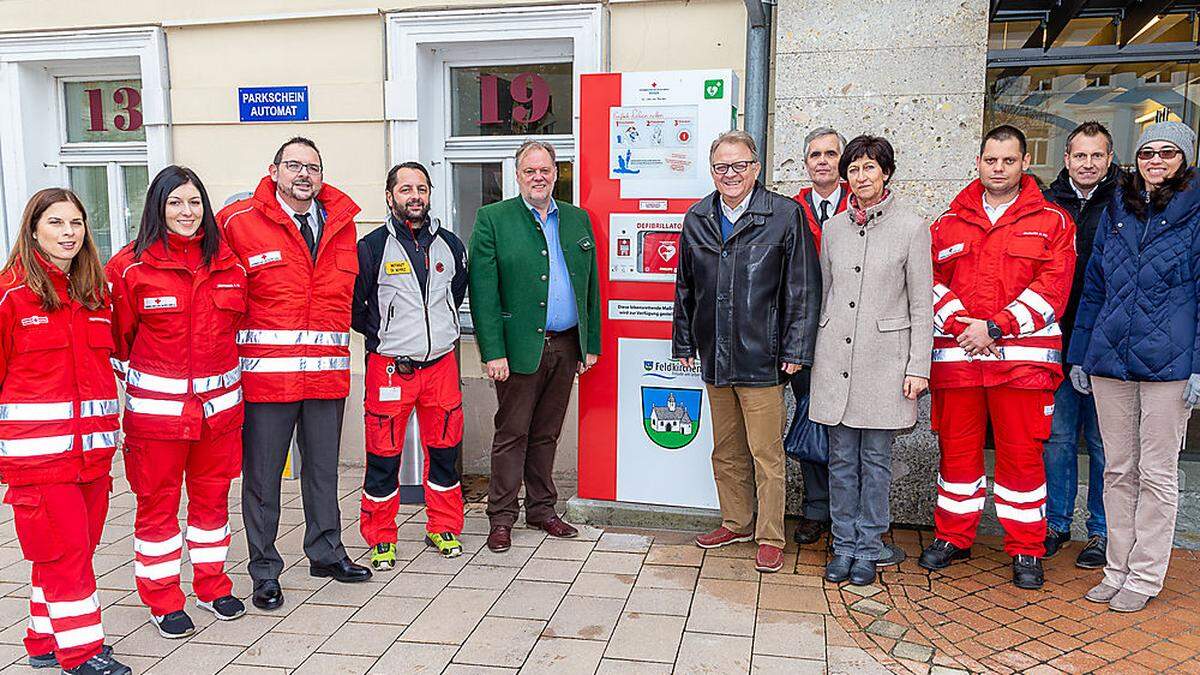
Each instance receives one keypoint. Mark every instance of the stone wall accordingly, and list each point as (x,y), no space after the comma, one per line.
(912,71)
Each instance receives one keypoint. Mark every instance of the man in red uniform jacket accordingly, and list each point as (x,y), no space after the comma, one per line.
(1003,258)
(297,240)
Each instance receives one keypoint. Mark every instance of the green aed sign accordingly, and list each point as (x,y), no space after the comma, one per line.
(714,89)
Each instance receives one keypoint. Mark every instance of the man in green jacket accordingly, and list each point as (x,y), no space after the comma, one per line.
(535,302)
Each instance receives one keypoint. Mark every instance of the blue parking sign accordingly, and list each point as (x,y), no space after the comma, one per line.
(273,104)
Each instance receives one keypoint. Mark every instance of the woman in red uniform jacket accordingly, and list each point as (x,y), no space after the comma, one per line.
(58,426)
(179,294)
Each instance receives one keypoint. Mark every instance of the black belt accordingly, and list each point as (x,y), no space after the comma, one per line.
(403,365)
(572,331)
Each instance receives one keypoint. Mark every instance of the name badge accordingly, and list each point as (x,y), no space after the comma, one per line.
(397,267)
(160,302)
(389,393)
(35,320)
(264,258)
(947,252)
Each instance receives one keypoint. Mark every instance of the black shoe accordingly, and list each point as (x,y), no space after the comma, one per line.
(49,660)
(175,625)
(101,664)
(940,554)
(1055,540)
(342,570)
(225,608)
(809,531)
(1027,572)
(837,569)
(862,572)
(1093,557)
(268,595)
(892,555)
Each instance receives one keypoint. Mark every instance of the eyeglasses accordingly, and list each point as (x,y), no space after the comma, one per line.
(738,167)
(1165,153)
(295,167)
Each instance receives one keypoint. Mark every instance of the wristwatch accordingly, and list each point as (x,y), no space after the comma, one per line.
(994,331)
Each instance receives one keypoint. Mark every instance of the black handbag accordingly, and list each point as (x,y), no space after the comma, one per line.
(806,440)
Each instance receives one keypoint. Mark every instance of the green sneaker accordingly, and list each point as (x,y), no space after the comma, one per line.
(446,543)
(383,557)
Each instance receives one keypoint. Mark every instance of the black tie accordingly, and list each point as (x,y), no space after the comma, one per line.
(306,231)
(824,216)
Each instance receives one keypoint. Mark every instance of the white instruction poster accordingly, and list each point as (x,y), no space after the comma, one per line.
(664,428)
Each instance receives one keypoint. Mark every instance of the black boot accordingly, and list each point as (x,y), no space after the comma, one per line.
(838,568)
(941,553)
(1055,540)
(862,572)
(1027,572)
(1093,557)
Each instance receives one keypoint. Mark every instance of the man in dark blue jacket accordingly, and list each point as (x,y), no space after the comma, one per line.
(1084,189)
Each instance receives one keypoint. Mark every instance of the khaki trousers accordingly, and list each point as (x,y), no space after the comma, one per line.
(747,459)
(1142,424)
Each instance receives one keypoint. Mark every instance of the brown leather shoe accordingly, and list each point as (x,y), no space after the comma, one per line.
(500,539)
(555,527)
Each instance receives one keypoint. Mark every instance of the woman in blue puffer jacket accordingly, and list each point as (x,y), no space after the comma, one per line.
(1136,345)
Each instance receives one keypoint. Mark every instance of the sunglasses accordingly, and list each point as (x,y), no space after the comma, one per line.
(1165,153)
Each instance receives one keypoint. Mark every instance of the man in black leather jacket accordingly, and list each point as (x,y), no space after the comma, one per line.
(747,299)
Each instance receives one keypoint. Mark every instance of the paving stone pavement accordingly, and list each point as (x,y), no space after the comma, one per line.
(621,602)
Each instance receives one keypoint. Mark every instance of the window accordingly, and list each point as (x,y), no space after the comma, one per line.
(466,88)
(84,108)
(1038,151)
(511,100)
(1123,75)
(1136,94)
(103,149)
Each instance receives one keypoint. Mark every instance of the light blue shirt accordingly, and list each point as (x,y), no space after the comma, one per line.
(561,312)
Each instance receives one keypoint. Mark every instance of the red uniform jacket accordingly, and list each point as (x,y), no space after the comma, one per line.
(58,397)
(1016,273)
(806,199)
(295,341)
(175,321)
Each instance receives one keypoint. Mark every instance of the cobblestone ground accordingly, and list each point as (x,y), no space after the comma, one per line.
(624,602)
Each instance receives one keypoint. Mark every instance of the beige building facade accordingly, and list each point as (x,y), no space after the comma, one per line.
(386,83)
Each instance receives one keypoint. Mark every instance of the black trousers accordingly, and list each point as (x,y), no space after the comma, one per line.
(815,504)
(266,436)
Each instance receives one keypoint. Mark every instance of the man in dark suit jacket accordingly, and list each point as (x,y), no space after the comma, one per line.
(822,200)
(535,302)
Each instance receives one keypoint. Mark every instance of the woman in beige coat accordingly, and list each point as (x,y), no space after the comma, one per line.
(873,349)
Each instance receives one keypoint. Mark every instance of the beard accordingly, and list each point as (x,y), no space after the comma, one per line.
(297,189)
(412,211)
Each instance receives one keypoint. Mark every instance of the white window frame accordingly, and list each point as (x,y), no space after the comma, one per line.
(31,64)
(112,155)
(423,46)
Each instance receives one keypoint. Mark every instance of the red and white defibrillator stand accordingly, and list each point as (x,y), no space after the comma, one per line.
(645,433)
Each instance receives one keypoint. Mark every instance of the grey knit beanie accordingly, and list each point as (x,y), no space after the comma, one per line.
(1177,133)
